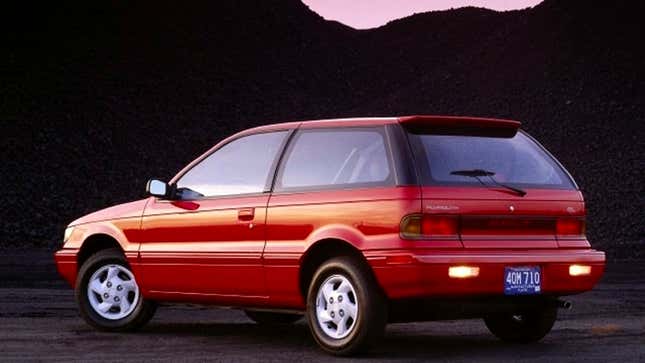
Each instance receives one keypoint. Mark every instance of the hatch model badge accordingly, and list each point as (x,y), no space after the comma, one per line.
(442,207)
(511,208)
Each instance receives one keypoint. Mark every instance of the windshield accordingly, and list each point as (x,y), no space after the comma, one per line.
(516,161)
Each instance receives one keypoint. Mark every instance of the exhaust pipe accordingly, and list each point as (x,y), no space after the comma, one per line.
(562,304)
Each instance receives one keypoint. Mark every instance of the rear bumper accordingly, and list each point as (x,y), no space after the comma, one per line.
(66,264)
(410,274)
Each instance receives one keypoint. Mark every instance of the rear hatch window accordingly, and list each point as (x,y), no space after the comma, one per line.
(516,160)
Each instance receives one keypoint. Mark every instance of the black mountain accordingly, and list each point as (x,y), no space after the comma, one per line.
(97,96)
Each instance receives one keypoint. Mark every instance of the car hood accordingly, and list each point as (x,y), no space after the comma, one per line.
(119,211)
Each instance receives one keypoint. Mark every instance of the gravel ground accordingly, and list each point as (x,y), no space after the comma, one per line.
(39,321)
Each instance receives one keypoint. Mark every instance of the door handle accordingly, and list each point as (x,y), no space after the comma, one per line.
(246,214)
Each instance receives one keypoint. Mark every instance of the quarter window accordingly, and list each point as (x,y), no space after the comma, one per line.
(336,158)
(239,167)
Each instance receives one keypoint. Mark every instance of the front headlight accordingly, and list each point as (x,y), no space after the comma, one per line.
(68,233)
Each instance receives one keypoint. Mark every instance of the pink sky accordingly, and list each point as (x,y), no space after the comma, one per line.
(363,14)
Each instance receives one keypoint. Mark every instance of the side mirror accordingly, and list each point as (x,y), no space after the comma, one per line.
(157,188)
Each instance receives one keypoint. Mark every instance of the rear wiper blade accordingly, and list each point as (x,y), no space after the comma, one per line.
(477,173)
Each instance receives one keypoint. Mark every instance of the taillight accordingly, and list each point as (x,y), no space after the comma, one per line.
(411,226)
(439,226)
(429,226)
(446,226)
(568,227)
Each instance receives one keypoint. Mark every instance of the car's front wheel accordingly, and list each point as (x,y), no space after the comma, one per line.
(108,295)
(525,327)
(346,310)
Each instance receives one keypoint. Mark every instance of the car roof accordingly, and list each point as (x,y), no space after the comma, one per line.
(414,120)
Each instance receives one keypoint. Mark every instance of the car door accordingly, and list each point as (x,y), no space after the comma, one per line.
(208,240)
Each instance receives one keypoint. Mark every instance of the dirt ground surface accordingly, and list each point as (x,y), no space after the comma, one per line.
(39,321)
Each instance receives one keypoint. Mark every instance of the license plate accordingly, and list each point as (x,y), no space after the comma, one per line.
(522,280)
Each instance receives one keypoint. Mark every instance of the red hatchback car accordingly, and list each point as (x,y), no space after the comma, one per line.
(352,222)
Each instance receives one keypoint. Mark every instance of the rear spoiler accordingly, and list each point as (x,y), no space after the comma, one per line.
(460,125)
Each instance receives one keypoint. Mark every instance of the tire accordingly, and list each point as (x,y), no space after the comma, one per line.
(345,319)
(269,318)
(127,309)
(526,327)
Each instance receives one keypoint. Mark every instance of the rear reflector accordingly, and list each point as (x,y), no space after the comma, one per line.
(505,225)
(463,272)
(570,227)
(399,260)
(579,270)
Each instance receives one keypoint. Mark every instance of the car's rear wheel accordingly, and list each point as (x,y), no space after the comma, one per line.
(346,310)
(108,295)
(525,327)
(269,318)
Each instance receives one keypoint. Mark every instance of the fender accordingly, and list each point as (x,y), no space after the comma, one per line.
(341,232)
(124,231)
(119,230)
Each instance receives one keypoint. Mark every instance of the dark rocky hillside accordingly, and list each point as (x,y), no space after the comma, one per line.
(96,97)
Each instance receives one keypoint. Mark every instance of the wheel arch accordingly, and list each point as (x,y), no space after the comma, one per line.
(323,250)
(95,243)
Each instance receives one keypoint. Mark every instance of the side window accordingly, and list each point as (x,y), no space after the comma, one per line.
(328,158)
(239,167)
